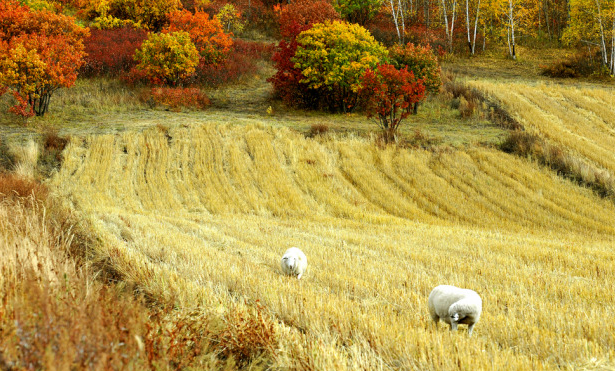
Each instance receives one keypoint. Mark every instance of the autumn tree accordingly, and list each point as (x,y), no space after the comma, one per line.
(207,34)
(422,62)
(150,14)
(40,52)
(293,19)
(358,11)
(391,93)
(592,22)
(333,56)
(167,58)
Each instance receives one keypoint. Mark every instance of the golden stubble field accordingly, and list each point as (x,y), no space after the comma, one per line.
(201,214)
(580,119)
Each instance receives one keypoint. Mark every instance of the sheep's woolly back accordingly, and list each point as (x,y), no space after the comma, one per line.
(295,257)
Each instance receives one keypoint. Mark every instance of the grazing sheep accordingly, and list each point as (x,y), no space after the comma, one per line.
(455,306)
(294,262)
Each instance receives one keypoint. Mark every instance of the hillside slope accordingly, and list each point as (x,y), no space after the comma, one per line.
(201,215)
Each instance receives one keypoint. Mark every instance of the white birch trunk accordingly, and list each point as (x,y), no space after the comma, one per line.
(475,27)
(453,23)
(511,19)
(445,18)
(394,15)
(603,43)
(468,25)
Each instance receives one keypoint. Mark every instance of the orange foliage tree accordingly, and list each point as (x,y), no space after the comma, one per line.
(206,34)
(40,52)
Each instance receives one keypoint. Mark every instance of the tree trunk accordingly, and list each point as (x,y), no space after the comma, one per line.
(475,27)
(603,43)
(511,19)
(468,25)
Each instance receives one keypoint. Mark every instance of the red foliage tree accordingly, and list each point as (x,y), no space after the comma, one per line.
(40,52)
(111,52)
(390,95)
(293,19)
(421,61)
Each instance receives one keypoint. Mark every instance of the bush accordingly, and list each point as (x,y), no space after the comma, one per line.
(578,65)
(150,14)
(300,15)
(207,35)
(111,52)
(332,57)
(176,98)
(421,61)
(293,19)
(167,58)
(240,62)
(391,94)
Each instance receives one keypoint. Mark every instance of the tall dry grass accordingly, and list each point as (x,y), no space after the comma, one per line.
(200,216)
(58,312)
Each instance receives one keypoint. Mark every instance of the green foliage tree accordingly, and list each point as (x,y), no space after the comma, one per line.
(333,56)
(358,11)
(422,62)
(167,58)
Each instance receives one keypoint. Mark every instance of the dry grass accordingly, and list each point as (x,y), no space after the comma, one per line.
(577,125)
(200,215)
(54,314)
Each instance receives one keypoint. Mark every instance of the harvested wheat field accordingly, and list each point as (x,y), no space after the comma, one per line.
(579,119)
(201,215)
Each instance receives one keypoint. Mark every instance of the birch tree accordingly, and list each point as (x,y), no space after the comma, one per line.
(472,42)
(592,22)
(398,14)
(452,7)
(510,29)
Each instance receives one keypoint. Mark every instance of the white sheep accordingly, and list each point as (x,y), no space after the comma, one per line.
(455,306)
(294,262)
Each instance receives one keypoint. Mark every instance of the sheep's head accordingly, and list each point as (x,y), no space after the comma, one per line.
(291,262)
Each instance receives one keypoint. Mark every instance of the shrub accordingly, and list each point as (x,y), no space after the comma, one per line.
(578,65)
(333,56)
(391,94)
(13,187)
(111,52)
(150,14)
(318,129)
(240,62)
(167,58)
(40,52)
(176,98)
(53,145)
(421,61)
(207,35)
(294,19)
(300,15)
(254,49)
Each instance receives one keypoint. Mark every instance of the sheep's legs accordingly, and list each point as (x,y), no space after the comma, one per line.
(470,328)
(453,326)
(299,276)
